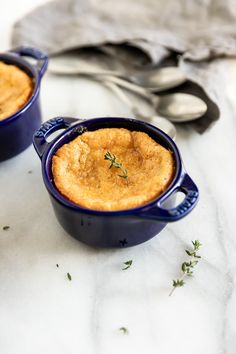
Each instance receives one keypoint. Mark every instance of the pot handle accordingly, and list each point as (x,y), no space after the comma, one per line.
(39,139)
(34,53)
(189,188)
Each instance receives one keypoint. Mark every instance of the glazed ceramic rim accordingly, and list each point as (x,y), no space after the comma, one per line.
(13,59)
(53,191)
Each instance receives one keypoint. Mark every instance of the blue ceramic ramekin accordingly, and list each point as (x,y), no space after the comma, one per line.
(113,228)
(17,130)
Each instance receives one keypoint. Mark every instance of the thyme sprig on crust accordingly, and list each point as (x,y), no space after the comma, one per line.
(112,158)
(188,266)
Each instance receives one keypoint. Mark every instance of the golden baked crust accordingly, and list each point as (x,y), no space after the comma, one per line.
(15,89)
(83,176)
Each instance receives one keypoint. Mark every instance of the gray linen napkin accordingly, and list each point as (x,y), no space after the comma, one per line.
(199,30)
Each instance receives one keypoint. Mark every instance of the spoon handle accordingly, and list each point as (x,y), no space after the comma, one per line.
(133,88)
(68,70)
(120,94)
(123,97)
(160,122)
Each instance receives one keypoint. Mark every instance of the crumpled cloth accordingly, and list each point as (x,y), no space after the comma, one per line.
(141,32)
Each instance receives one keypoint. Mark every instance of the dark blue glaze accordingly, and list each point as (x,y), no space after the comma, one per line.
(17,130)
(113,228)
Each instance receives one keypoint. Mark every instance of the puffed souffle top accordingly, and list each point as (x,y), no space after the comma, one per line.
(16,87)
(112,169)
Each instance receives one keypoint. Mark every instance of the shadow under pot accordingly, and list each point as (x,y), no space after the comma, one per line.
(122,228)
(16,130)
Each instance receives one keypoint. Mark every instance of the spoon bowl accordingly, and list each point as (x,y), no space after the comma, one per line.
(181,107)
(160,79)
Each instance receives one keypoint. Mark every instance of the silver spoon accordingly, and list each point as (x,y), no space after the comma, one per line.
(189,107)
(177,107)
(159,122)
(153,79)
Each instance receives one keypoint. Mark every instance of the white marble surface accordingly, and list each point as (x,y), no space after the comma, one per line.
(42,312)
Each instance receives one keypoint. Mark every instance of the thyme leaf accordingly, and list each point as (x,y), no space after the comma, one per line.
(128,264)
(5,228)
(69,276)
(124,330)
(178,283)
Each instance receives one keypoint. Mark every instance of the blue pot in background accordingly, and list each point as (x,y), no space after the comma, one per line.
(113,228)
(17,130)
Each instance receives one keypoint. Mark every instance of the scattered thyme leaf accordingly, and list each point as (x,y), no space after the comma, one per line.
(196,245)
(6,227)
(189,253)
(124,330)
(187,267)
(112,158)
(69,276)
(128,264)
(178,283)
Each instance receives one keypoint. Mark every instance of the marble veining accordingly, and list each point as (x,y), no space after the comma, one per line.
(41,311)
